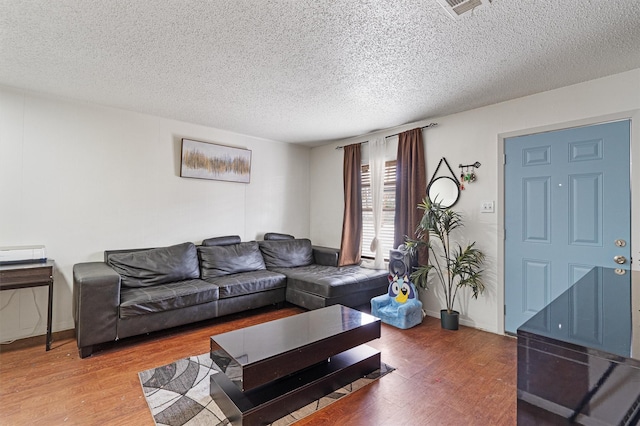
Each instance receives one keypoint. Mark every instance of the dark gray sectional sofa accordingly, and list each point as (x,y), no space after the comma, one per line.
(137,291)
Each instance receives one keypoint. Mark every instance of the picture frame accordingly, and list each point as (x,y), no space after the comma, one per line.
(204,160)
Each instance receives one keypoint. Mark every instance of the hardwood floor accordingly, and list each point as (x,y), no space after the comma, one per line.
(464,377)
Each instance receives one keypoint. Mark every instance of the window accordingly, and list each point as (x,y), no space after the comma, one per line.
(388,210)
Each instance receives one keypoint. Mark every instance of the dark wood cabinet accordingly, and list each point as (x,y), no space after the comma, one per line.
(578,359)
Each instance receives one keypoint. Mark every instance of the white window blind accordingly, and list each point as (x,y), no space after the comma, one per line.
(388,210)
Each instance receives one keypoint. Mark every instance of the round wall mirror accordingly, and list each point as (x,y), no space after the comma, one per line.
(443,190)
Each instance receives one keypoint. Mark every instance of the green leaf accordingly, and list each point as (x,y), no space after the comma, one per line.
(455,267)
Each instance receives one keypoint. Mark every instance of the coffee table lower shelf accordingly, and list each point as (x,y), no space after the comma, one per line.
(277,399)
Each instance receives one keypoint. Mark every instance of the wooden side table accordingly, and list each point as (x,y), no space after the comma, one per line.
(25,275)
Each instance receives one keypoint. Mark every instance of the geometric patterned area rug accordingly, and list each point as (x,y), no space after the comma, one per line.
(178,393)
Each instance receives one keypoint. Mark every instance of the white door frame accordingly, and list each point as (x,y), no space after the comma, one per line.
(634,116)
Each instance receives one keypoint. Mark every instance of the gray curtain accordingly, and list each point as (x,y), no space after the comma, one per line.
(411,187)
(352,220)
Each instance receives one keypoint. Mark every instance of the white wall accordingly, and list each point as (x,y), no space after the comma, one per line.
(477,135)
(81,178)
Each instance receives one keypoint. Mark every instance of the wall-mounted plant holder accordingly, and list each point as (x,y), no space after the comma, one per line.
(444,190)
(468,173)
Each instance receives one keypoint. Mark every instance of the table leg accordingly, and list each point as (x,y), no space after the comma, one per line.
(49,315)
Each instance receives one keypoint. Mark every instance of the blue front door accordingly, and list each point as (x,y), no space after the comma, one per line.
(567,209)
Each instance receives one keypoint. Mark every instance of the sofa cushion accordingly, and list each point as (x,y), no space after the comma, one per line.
(221,241)
(156,266)
(166,297)
(248,283)
(216,261)
(330,281)
(286,253)
(277,236)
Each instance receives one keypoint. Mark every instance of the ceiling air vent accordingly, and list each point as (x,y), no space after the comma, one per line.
(457,8)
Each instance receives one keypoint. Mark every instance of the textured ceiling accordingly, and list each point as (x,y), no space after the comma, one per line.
(310,71)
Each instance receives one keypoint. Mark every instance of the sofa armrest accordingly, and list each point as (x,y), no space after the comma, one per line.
(96,300)
(325,256)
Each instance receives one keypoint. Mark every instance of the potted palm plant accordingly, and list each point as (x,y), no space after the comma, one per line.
(454,266)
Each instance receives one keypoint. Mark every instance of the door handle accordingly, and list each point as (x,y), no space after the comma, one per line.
(620,260)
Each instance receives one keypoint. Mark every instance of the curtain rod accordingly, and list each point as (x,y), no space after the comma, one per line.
(390,136)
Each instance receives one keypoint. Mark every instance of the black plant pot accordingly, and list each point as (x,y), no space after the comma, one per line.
(449,321)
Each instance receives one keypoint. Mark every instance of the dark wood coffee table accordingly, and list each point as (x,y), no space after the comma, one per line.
(272,369)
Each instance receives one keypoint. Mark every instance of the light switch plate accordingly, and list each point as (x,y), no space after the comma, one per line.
(486,207)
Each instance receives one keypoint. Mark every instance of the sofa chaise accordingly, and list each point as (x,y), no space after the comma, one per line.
(137,291)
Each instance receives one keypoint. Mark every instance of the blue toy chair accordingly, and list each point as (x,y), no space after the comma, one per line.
(400,307)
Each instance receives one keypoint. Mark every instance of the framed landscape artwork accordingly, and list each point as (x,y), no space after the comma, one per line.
(202,160)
